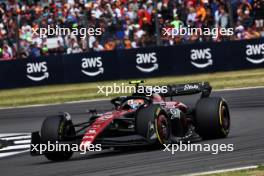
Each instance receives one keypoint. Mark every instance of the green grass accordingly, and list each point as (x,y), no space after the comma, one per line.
(85,91)
(250,172)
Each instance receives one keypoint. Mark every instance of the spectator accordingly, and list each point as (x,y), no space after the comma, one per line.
(176,23)
(200,13)
(6,55)
(258,9)
(74,48)
(35,51)
(127,43)
(223,18)
(191,18)
(110,45)
(125,23)
(97,46)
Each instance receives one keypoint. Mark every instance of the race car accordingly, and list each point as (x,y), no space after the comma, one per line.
(140,120)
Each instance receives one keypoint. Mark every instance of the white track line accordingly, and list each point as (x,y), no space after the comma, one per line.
(27,146)
(222,170)
(16,138)
(106,99)
(12,134)
(241,88)
(22,142)
(2,155)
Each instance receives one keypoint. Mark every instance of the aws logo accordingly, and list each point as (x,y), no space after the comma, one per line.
(37,71)
(201,58)
(145,59)
(255,51)
(94,65)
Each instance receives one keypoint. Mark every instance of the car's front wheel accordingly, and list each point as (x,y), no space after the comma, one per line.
(57,128)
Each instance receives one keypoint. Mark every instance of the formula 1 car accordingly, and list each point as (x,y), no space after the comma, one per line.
(140,120)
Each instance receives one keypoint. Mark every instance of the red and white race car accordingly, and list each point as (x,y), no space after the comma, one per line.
(140,120)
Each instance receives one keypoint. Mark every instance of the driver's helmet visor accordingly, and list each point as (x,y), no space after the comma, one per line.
(135,103)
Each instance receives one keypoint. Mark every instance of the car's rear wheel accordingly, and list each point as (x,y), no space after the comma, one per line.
(57,128)
(212,118)
(152,123)
(162,128)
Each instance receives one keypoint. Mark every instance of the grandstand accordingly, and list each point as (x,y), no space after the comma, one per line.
(125,24)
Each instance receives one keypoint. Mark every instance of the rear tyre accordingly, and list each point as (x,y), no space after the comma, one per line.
(212,118)
(162,126)
(152,123)
(57,128)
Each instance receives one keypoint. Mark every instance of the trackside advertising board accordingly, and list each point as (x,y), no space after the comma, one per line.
(134,63)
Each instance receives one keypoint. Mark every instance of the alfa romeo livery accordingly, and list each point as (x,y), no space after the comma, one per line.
(140,120)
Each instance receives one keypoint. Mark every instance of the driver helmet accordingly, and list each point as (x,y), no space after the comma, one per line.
(135,103)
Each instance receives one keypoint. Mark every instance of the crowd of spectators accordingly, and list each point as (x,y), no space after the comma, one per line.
(125,24)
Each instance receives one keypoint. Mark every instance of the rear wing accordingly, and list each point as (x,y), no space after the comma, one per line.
(189,89)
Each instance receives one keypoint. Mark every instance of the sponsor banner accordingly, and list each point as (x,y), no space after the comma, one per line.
(145,62)
(255,53)
(31,72)
(86,67)
(134,63)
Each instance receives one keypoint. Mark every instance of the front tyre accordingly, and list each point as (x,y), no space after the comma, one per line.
(212,118)
(57,128)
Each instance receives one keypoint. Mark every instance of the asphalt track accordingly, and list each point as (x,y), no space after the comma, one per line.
(247,112)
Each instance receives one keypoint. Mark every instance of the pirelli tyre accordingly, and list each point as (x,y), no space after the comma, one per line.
(212,118)
(57,128)
(153,124)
